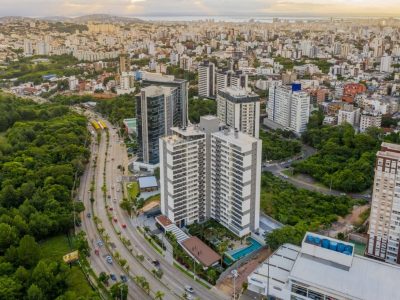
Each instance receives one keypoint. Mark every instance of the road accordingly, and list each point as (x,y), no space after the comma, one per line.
(98,262)
(172,278)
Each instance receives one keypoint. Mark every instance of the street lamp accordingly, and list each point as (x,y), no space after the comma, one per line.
(234,274)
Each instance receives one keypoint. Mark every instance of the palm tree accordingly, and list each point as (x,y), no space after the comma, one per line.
(159,295)
(146,286)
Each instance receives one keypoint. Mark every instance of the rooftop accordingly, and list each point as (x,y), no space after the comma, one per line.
(201,252)
(147,182)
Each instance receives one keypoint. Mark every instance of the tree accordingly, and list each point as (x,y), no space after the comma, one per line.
(35,293)
(8,236)
(159,295)
(9,289)
(82,243)
(103,277)
(212,275)
(28,252)
(119,291)
(127,204)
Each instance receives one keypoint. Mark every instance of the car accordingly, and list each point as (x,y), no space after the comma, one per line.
(188,297)
(123,225)
(111,208)
(123,278)
(100,243)
(156,262)
(189,289)
(88,215)
(109,196)
(112,187)
(115,220)
(113,277)
(115,200)
(342,194)
(109,259)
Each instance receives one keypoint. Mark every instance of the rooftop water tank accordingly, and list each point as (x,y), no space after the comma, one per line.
(325,243)
(296,87)
(333,246)
(341,247)
(317,240)
(310,239)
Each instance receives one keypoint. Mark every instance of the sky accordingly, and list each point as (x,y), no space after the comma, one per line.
(42,8)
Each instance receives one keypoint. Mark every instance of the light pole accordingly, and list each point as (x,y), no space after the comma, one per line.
(235,274)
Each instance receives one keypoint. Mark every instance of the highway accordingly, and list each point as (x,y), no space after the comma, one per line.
(98,262)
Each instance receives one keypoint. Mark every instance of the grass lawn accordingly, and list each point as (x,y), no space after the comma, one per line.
(133,189)
(152,198)
(56,248)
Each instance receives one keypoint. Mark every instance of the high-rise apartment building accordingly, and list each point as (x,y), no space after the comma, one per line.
(386,63)
(180,101)
(289,107)
(235,180)
(239,109)
(211,171)
(206,84)
(230,78)
(384,224)
(154,111)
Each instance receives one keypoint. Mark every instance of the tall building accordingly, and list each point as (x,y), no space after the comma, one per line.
(124,63)
(235,181)
(386,64)
(180,102)
(210,171)
(206,84)
(325,269)
(28,47)
(384,225)
(239,109)
(154,111)
(230,78)
(289,107)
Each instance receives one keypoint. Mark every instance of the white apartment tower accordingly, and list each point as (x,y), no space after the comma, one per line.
(211,171)
(384,225)
(230,78)
(239,109)
(386,64)
(206,85)
(289,107)
(235,180)
(182,173)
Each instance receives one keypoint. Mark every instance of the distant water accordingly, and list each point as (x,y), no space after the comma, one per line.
(226,18)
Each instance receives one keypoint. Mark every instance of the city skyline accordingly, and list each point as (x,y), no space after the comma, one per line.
(72,8)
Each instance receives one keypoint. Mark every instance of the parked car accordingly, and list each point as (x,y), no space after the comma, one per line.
(100,243)
(88,214)
(123,225)
(123,278)
(115,220)
(113,277)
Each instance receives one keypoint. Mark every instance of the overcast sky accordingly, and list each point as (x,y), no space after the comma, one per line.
(37,8)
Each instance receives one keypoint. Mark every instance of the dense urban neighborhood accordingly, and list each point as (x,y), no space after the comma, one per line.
(199,159)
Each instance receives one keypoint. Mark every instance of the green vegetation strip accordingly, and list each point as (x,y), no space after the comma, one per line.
(190,275)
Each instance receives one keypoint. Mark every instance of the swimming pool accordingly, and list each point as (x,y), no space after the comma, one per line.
(237,254)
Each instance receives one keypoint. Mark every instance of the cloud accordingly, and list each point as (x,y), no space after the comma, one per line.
(199,7)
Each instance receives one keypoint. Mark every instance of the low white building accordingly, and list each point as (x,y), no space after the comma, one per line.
(324,268)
